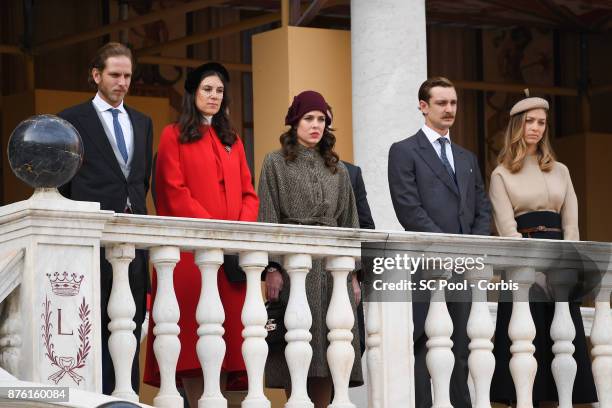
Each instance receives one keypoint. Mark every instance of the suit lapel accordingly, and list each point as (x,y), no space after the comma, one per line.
(462,169)
(138,126)
(90,123)
(430,156)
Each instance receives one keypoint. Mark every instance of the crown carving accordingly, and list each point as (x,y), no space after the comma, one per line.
(64,284)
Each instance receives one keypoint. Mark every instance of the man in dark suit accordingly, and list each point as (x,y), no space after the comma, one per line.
(365,222)
(436,186)
(361,199)
(116,169)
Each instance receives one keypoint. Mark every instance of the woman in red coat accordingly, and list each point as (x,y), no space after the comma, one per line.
(202,172)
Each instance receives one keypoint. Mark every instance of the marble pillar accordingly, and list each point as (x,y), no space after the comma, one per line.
(389,63)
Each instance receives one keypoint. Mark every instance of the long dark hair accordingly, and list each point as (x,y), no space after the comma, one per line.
(190,119)
(325,147)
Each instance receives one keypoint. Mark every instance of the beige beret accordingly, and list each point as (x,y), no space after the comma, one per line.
(528,104)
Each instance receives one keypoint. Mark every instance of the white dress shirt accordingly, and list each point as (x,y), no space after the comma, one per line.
(433,137)
(124,120)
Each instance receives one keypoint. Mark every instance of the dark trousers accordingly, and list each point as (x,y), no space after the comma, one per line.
(139,278)
(459,392)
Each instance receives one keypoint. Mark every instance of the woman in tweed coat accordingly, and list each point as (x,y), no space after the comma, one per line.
(305,183)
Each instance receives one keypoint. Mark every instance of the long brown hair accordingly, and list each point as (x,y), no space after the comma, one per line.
(325,147)
(512,155)
(190,119)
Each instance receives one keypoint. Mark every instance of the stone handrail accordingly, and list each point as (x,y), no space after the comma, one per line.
(61,235)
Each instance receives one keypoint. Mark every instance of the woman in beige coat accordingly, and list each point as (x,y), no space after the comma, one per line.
(533,197)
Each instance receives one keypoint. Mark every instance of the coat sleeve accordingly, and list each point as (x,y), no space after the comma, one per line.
(173,196)
(482,216)
(148,155)
(66,189)
(361,198)
(404,193)
(569,211)
(348,217)
(269,205)
(503,213)
(250,202)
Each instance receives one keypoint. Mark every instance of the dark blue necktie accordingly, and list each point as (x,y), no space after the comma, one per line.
(119,135)
(443,141)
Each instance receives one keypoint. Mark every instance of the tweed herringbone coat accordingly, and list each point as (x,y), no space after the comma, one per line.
(305,191)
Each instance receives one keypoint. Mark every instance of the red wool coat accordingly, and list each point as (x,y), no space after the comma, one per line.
(202,180)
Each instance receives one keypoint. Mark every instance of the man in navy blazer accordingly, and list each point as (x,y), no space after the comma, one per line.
(118,143)
(361,199)
(365,222)
(436,186)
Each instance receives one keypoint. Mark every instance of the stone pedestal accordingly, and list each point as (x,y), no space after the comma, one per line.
(59,296)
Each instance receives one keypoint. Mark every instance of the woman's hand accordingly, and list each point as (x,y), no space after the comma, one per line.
(274,284)
(356,288)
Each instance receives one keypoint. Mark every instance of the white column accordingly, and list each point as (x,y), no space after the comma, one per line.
(440,358)
(522,331)
(298,320)
(254,318)
(601,337)
(340,321)
(166,315)
(210,317)
(480,329)
(389,63)
(121,311)
(562,332)
(388,60)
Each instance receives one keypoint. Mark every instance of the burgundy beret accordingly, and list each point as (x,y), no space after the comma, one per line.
(305,102)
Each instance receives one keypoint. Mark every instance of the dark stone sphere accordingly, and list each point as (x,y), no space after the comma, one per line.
(45,151)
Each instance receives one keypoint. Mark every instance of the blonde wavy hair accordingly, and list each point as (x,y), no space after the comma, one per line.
(512,155)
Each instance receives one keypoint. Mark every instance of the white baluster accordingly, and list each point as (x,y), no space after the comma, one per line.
(10,333)
(340,321)
(298,320)
(254,318)
(210,317)
(480,329)
(121,311)
(374,353)
(522,331)
(562,331)
(166,315)
(601,338)
(440,358)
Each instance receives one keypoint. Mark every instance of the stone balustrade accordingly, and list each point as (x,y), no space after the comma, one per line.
(31,229)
